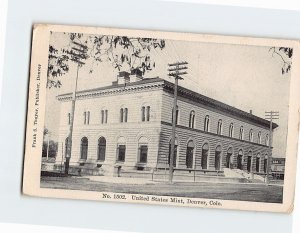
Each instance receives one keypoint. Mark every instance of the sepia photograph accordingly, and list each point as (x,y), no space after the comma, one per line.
(162,118)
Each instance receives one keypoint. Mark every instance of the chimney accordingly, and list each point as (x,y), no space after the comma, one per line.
(135,75)
(250,111)
(123,77)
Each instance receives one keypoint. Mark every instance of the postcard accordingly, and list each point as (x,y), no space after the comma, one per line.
(166,118)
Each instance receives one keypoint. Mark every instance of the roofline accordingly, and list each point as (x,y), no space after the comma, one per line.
(143,81)
(184,92)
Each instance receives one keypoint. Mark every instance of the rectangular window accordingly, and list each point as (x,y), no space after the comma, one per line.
(126,115)
(69,118)
(121,115)
(148,113)
(121,153)
(102,116)
(143,114)
(143,153)
(84,116)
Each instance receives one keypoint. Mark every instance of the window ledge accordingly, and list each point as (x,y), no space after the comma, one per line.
(119,162)
(100,161)
(140,164)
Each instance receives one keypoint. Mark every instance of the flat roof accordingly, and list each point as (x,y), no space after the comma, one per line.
(185,93)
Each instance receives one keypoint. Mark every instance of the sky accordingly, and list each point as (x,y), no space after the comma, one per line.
(246,77)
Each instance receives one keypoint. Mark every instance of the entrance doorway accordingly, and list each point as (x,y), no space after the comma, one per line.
(218,158)
(228,158)
(257,164)
(240,160)
(249,163)
(204,156)
(190,154)
(265,165)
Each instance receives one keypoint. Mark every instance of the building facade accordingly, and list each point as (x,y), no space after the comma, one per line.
(128,125)
(278,168)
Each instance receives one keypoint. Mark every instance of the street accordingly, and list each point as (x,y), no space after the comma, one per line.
(225,191)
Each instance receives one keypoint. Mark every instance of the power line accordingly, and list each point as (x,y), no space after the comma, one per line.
(271,115)
(78,54)
(176,70)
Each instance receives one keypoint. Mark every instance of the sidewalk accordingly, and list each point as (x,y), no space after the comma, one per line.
(119,180)
(129,180)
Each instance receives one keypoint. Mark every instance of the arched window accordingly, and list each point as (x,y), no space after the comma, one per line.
(251,135)
(84,148)
(177,114)
(206,124)
(121,149)
(259,137)
(101,148)
(204,158)
(218,158)
(231,130)
(257,163)
(249,162)
(229,157)
(240,160)
(123,114)
(66,146)
(267,140)
(220,128)
(175,152)
(241,137)
(192,119)
(190,154)
(143,150)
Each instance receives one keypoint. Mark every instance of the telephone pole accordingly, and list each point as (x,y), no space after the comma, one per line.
(176,70)
(78,53)
(272,115)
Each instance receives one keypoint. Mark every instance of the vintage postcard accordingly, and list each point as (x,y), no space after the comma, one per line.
(162,118)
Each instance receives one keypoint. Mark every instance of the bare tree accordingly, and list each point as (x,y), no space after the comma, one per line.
(285,55)
(124,53)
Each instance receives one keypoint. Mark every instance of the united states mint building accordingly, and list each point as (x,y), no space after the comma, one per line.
(127,125)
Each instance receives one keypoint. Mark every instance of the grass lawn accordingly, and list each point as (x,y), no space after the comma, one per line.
(241,192)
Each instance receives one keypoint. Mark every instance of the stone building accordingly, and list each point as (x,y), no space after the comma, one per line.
(128,125)
(278,168)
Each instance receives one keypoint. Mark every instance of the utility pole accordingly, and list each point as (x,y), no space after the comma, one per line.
(77,54)
(176,70)
(272,115)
